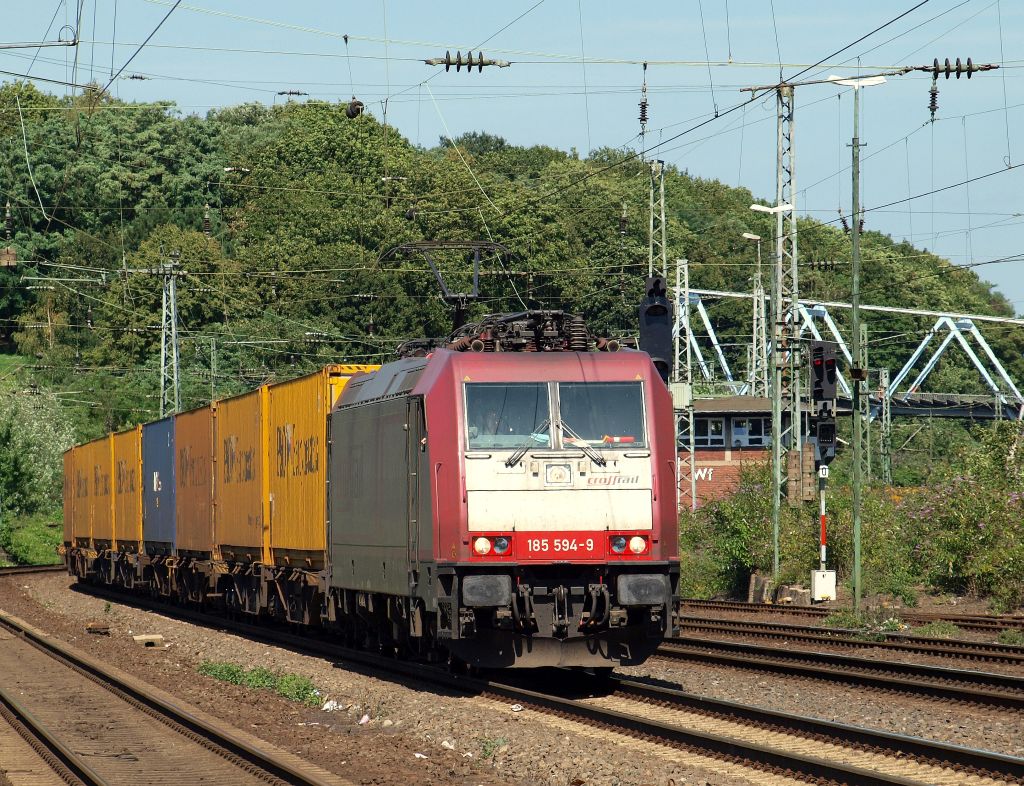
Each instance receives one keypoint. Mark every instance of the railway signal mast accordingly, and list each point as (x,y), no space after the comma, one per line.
(823,398)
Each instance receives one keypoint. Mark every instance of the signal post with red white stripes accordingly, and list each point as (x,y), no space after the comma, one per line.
(823,395)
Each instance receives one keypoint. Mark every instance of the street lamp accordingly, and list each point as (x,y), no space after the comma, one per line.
(773,210)
(757,377)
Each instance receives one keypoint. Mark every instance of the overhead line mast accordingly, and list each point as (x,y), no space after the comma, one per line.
(786,388)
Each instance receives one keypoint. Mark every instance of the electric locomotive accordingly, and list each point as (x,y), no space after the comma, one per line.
(512,508)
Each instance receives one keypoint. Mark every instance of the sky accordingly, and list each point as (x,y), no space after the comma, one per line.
(575,83)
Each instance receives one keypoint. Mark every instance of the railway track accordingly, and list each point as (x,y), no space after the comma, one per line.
(974,622)
(851,639)
(727,737)
(92,725)
(978,687)
(18,570)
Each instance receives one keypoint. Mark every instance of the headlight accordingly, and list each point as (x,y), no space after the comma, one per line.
(482,546)
(618,544)
(637,544)
(502,545)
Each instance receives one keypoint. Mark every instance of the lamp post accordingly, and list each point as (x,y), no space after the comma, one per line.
(758,374)
(858,373)
(778,329)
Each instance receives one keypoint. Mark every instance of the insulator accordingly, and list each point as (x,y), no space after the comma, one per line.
(948,68)
(578,337)
(970,67)
(959,68)
(458,60)
(933,98)
(643,111)
(8,220)
(935,68)
(448,60)
(206,220)
(860,225)
(355,108)
(370,327)
(845,223)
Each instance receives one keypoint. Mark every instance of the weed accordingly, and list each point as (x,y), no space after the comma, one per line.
(843,619)
(940,629)
(1011,636)
(872,625)
(295,687)
(107,607)
(870,635)
(491,745)
(891,624)
(225,672)
(260,678)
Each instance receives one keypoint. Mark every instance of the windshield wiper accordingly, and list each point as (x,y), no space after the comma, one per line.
(516,457)
(583,445)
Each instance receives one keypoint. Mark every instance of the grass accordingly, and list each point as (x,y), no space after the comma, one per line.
(293,687)
(32,540)
(1011,636)
(940,629)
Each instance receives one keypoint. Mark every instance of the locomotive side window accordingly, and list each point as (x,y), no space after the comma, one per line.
(507,415)
(608,414)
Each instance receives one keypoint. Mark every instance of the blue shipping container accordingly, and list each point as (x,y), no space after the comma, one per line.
(158,486)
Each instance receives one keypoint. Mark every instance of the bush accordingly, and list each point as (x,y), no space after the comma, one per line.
(32,540)
(969,530)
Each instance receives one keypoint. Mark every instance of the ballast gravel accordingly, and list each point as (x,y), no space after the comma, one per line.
(410,735)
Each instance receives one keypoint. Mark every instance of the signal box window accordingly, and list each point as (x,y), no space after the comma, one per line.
(608,415)
(507,415)
(751,432)
(709,432)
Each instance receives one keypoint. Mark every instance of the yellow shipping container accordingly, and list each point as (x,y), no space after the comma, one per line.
(128,489)
(297,453)
(193,475)
(69,495)
(240,492)
(81,530)
(93,521)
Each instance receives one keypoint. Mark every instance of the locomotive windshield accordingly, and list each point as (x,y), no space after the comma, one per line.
(518,415)
(608,414)
(501,415)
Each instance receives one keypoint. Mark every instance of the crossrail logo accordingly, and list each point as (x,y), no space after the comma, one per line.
(613,480)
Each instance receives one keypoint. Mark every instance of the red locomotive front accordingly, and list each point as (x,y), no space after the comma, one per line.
(554,502)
